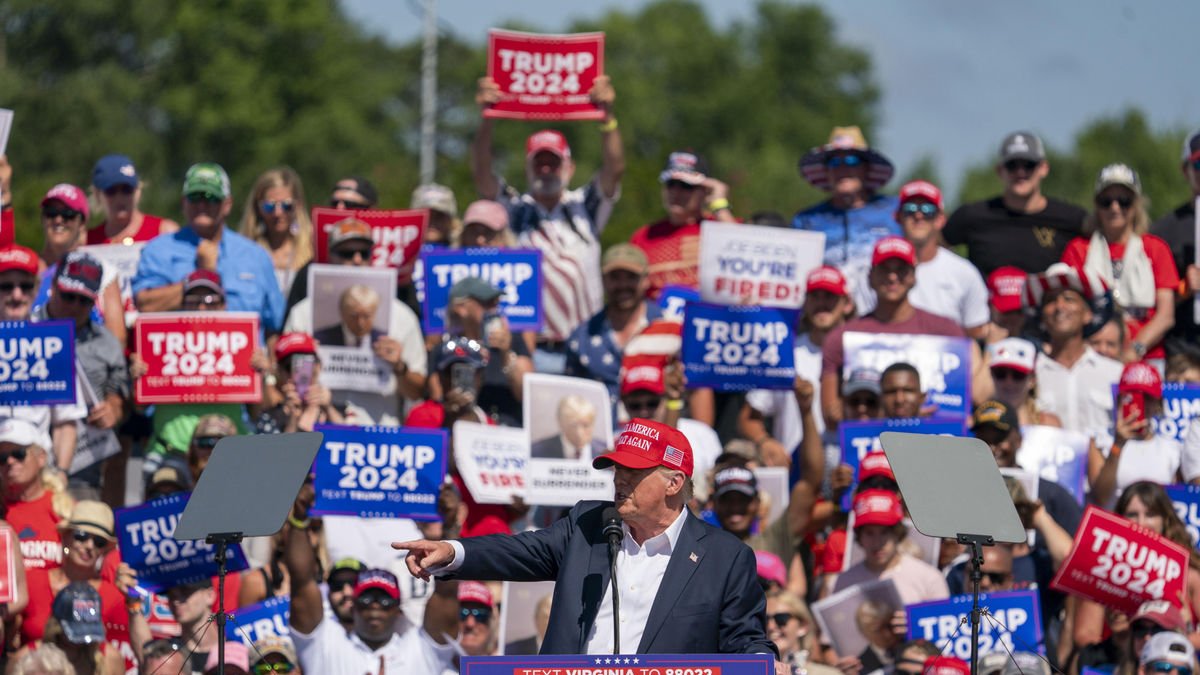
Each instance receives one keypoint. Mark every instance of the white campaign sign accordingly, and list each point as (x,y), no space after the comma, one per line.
(757,265)
(6,119)
(491,460)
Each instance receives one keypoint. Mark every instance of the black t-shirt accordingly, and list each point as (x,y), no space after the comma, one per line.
(496,397)
(997,236)
(1178,229)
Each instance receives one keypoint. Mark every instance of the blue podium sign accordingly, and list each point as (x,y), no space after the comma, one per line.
(623,664)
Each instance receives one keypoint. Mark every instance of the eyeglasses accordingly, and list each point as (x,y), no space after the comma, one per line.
(1013,165)
(925,209)
(270,208)
(781,618)
(193,301)
(843,160)
(1105,202)
(351,253)
(384,601)
(267,668)
(998,578)
(1167,667)
(76,299)
(82,536)
(118,190)
(19,454)
(349,205)
(50,213)
(203,198)
(680,185)
(1008,374)
(481,614)
(207,441)
(647,407)
(160,647)
(25,286)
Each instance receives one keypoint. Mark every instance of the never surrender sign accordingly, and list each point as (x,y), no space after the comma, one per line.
(37,363)
(544,77)
(516,272)
(1014,623)
(197,357)
(396,235)
(756,265)
(1121,565)
(380,472)
(145,536)
(738,348)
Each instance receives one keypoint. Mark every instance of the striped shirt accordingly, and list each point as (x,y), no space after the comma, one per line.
(569,238)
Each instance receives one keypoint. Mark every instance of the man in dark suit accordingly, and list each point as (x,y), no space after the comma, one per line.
(576,421)
(357,305)
(688,587)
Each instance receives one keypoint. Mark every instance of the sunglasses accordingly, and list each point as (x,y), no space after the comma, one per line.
(270,208)
(203,300)
(1008,374)
(25,286)
(862,402)
(649,407)
(1013,165)
(207,441)
(481,614)
(118,190)
(998,577)
(1165,667)
(348,253)
(843,160)
(925,209)
(1143,629)
(1105,202)
(337,584)
(384,601)
(267,668)
(82,536)
(680,185)
(19,454)
(781,618)
(159,647)
(76,299)
(66,214)
(203,198)
(349,205)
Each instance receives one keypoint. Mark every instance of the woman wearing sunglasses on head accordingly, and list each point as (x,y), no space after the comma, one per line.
(1136,265)
(276,217)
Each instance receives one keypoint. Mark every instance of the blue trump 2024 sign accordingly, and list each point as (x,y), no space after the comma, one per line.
(37,363)
(145,535)
(621,664)
(1186,500)
(1013,623)
(268,618)
(516,272)
(944,364)
(738,348)
(380,472)
(859,438)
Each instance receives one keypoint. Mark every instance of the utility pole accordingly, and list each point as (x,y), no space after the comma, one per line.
(429,93)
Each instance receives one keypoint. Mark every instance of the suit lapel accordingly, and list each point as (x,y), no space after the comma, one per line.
(593,592)
(685,560)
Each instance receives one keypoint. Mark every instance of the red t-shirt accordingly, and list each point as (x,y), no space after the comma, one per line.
(920,323)
(834,554)
(1162,264)
(481,518)
(673,252)
(41,600)
(8,232)
(151,228)
(36,525)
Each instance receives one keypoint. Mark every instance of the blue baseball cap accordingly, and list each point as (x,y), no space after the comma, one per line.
(113,170)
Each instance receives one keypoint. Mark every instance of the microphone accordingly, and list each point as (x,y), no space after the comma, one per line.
(612,527)
(614,533)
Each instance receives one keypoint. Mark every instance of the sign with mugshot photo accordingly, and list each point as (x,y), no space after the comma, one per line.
(569,421)
(351,309)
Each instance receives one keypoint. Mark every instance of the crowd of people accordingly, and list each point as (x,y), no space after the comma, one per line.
(1060,302)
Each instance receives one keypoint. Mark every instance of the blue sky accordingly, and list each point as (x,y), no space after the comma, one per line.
(956,76)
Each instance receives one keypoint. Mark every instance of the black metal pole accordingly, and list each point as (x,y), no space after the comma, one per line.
(976,542)
(612,577)
(221,605)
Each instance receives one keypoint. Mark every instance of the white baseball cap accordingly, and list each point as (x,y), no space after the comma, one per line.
(19,432)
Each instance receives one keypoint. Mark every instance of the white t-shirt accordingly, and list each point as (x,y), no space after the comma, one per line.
(330,650)
(948,286)
(1082,395)
(1189,463)
(1156,460)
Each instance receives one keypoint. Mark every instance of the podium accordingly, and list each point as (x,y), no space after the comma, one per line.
(622,664)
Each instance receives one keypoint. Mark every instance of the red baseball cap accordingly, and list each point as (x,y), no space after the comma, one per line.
(877,507)
(70,195)
(549,140)
(645,443)
(894,247)
(17,257)
(377,579)
(203,279)
(1140,377)
(294,343)
(826,278)
(945,665)
(875,464)
(921,189)
(642,372)
(1006,285)
(1162,613)
(475,591)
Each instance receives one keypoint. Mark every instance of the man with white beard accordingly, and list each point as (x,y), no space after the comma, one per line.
(564,224)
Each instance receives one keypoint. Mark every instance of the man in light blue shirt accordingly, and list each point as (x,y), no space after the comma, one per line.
(205,243)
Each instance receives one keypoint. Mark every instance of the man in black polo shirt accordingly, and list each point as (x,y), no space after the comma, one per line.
(1021,227)
(1178,229)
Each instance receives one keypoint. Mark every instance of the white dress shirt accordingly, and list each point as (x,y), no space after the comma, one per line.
(1081,395)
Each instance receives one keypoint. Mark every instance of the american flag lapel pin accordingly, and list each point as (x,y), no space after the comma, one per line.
(693,557)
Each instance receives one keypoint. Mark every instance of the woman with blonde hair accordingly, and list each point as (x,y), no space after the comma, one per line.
(1138,266)
(276,217)
(46,660)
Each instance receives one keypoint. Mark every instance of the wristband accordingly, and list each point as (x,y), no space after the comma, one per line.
(718,205)
(133,605)
(675,404)
(299,524)
(610,125)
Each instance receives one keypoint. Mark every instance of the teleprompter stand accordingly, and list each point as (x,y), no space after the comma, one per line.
(247,490)
(953,490)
